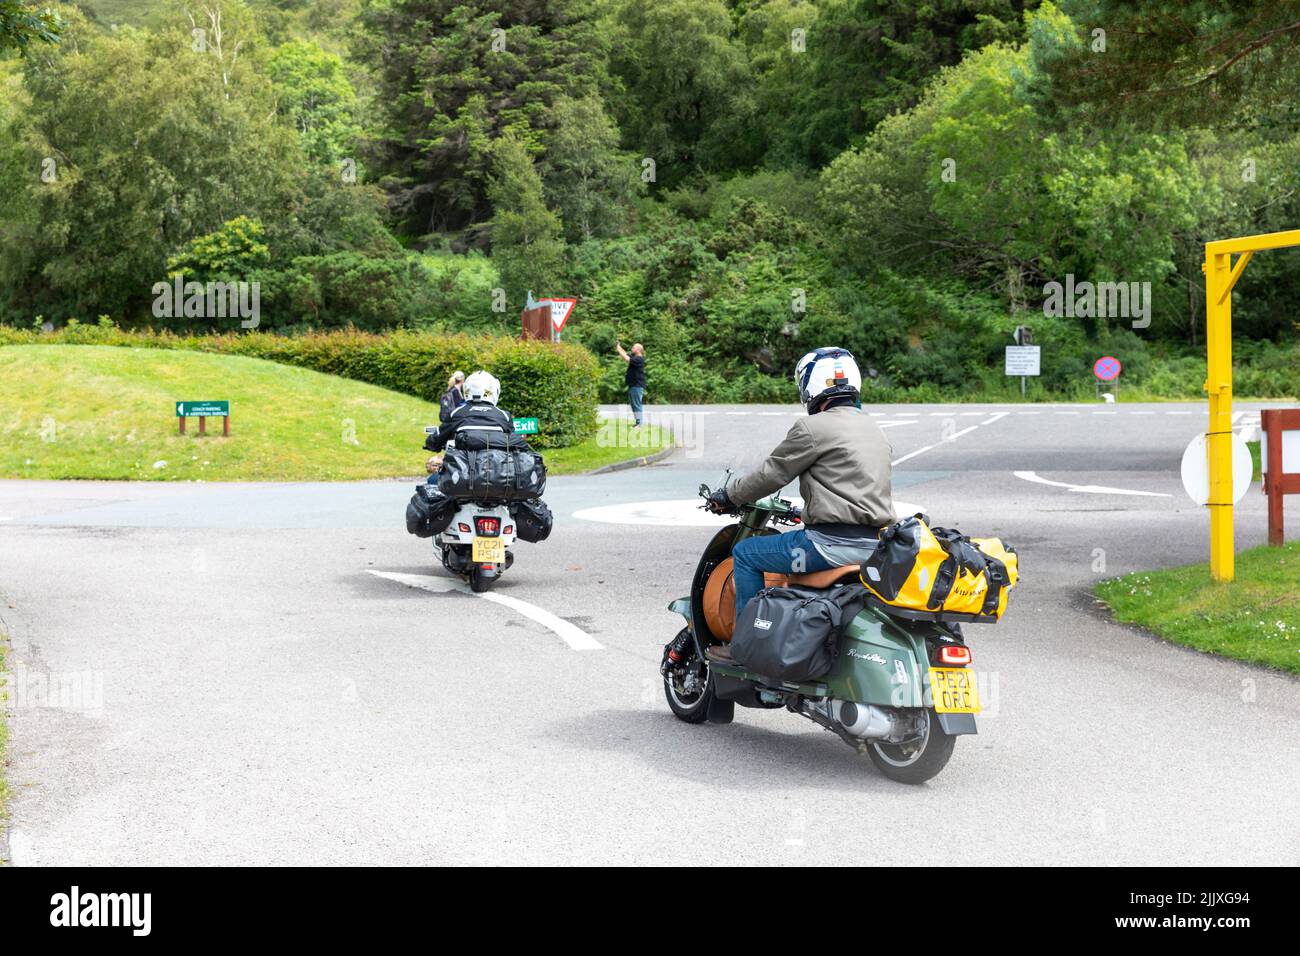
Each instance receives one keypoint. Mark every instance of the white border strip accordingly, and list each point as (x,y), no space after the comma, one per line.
(571,634)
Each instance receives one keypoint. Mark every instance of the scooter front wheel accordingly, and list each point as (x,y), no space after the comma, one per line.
(914,761)
(688,687)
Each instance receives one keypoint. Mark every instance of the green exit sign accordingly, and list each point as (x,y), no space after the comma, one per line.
(525,426)
(202,409)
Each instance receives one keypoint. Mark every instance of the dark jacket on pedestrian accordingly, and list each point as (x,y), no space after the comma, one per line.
(471,416)
(451,400)
(635,375)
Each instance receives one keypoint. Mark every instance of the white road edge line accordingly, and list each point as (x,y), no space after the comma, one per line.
(1089,489)
(571,634)
(951,438)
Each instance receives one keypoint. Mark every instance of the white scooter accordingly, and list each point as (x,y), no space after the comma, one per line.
(476,545)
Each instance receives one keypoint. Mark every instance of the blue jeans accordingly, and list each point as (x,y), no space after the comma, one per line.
(787,553)
(635,395)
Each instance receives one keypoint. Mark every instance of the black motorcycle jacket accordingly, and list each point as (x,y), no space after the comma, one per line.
(471,415)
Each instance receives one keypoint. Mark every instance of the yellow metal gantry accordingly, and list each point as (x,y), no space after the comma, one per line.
(1221,274)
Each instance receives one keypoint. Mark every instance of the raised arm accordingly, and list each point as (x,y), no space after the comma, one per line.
(621,353)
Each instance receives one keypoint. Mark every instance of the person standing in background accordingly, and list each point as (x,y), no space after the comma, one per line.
(635,378)
(453,398)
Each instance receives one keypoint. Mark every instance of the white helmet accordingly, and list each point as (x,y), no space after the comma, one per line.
(482,387)
(825,372)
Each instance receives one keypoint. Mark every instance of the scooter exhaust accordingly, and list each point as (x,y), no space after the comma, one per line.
(862,720)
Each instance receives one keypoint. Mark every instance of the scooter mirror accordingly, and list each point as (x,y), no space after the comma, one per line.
(430,429)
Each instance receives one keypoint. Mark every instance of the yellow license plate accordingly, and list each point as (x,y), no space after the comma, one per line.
(953,690)
(489,549)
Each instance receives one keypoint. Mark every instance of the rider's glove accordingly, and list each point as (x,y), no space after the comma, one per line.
(719,502)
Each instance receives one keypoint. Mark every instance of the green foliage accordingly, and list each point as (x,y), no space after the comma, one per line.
(231,252)
(588,182)
(687,104)
(527,245)
(314,94)
(452,76)
(22,24)
(1188,62)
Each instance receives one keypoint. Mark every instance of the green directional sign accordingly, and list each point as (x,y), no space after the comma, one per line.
(525,426)
(202,409)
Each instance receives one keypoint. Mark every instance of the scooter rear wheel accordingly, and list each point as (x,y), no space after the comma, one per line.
(914,762)
(478,581)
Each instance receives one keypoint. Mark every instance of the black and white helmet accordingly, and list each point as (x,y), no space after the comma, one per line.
(827,372)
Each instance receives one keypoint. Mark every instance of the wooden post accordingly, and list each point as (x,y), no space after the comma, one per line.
(1276,422)
(182,421)
(225,426)
(203,424)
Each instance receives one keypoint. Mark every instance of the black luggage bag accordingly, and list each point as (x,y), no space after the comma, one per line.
(791,634)
(493,474)
(533,520)
(429,511)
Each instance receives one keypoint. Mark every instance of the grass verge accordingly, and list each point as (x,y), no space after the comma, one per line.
(103,412)
(1255,618)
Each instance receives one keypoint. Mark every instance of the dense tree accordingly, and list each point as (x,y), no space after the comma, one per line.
(688,105)
(527,242)
(131,145)
(588,182)
(858,61)
(1220,62)
(453,76)
(313,92)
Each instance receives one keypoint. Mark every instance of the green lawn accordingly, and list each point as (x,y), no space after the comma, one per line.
(1255,618)
(83,411)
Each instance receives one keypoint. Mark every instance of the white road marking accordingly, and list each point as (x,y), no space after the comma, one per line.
(1089,489)
(950,438)
(571,634)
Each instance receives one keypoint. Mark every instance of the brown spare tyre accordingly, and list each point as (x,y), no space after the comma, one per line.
(720,598)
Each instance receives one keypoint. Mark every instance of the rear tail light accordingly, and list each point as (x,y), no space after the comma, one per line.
(509,529)
(489,527)
(463,527)
(954,655)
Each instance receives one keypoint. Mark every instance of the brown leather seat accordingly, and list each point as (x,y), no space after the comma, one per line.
(823,579)
(720,592)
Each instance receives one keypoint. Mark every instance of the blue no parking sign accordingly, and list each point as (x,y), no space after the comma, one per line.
(1106,368)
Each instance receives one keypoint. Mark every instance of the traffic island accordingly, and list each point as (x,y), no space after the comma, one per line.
(1255,618)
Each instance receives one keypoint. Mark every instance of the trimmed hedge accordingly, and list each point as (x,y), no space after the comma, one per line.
(556,384)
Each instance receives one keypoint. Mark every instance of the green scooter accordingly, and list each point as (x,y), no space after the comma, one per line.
(899,691)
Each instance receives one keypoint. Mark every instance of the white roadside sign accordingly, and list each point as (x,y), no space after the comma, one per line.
(1290,452)
(1023,359)
(1196,469)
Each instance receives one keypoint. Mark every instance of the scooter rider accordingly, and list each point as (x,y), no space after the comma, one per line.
(479,413)
(842,460)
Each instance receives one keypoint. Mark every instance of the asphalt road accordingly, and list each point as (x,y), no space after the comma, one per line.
(212,674)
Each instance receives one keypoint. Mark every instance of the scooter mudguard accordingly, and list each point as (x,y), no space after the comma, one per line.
(879,662)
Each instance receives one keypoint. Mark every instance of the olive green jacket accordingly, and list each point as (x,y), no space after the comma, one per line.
(842,461)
